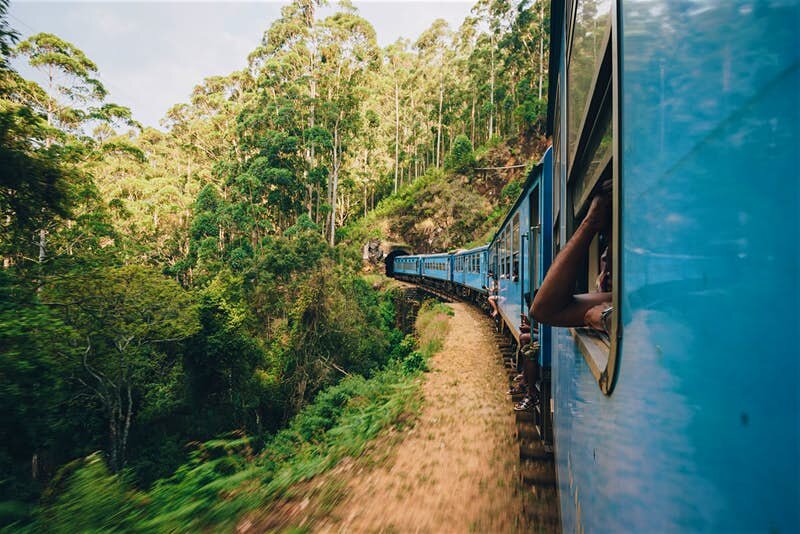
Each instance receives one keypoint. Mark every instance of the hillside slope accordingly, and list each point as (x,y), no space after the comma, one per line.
(443,210)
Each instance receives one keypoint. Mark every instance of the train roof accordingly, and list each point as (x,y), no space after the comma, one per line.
(434,255)
(471,250)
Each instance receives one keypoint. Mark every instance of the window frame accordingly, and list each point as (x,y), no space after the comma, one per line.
(603,359)
(515,247)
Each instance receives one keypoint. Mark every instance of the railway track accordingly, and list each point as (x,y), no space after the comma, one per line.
(537,473)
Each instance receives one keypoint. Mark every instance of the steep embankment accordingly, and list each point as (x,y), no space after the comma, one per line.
(442,210)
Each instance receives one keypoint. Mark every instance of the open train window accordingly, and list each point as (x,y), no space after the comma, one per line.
(588,156)
(535,235)
(502,258)
(508,253)
(515,248)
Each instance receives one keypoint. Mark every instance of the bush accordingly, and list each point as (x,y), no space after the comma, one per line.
(462,157)
(93,500)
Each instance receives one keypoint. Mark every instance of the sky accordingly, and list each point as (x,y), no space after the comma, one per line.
(151,54)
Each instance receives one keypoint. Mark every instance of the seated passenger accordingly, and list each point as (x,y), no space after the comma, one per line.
(529,352)
(555,304)
(493,290)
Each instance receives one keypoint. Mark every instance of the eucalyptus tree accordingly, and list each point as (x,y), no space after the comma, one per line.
(7,35)
(72,98)
(349,50)
(433,51)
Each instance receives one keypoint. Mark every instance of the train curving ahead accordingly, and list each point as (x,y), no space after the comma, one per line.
(683,414)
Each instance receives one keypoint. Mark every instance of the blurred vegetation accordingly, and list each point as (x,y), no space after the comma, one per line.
(228,476)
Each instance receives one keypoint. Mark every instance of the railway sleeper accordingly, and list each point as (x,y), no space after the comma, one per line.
(537,473)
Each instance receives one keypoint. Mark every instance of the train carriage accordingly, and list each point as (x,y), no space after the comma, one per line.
(517,255)
(686,416)
(407,266)
(470,267)
(437,267)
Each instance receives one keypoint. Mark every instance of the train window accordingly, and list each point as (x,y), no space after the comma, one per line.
(589,37)
(506,254)
(534,233)
(502,254)
(589,152)
(515,248)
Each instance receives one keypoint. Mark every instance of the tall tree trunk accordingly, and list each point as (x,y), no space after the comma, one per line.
(42,245)
(491,90)
(472,121)
(541,47)
(126,429)
(396,129)
(334,180)
(439,129)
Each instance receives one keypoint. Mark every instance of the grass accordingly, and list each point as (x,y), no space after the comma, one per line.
(228,477)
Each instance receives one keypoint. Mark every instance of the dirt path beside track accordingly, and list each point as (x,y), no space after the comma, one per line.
(456,470)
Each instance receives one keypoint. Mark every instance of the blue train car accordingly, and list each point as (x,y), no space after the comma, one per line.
(685,418)
(516,253)
(469,268)
(437,267)
(407,265)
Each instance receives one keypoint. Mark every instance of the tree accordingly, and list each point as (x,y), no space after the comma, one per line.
(36,350)
(69,74)
(7,36)
(461,158)
(123,314)
(349,49)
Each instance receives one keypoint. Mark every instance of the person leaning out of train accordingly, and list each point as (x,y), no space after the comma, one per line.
(493,291)
(529,352)
(554,303)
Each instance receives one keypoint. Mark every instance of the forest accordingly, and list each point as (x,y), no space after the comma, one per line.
(186,306)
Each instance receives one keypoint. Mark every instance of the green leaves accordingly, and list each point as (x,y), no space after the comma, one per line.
(461,158)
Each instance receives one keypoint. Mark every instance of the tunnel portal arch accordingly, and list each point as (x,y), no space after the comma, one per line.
(389,258)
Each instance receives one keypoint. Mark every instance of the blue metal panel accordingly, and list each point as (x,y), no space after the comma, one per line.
(546,244)
(473,280)
(701,432)
(437,273)
(510,288)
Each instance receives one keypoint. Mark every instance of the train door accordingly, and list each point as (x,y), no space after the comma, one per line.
(534,231)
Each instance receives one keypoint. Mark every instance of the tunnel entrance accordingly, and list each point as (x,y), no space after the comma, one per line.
(389,260)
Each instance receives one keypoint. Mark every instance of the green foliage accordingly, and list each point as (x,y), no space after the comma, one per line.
(7,35)
(228,476)
(125,316)
(36,356)
(36,187)
(92,500)
(510,194)
(461,158)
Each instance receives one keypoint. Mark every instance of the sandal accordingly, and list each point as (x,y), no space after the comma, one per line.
(526,404)
(516,389)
